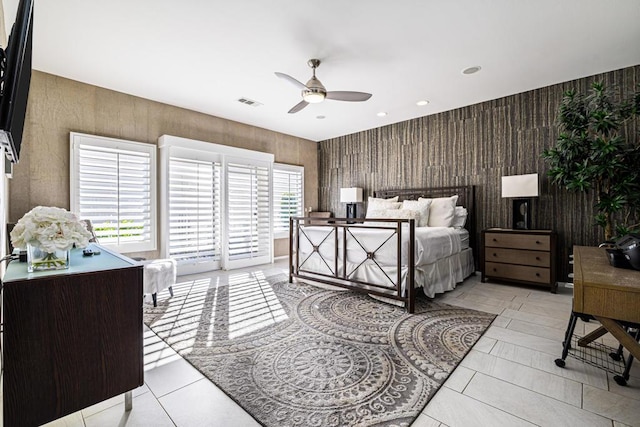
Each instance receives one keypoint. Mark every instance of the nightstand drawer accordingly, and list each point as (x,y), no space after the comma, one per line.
(517,256)
(517,272)
(518,241)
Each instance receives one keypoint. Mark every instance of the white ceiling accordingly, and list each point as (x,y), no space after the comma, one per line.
(205,54)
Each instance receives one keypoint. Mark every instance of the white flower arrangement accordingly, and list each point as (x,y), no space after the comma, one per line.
(50,229)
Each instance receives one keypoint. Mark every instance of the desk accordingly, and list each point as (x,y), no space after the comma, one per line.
(607,293)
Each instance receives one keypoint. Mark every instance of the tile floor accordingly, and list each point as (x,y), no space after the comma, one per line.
(508,379)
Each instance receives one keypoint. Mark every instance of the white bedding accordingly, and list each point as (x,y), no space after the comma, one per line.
(432,243)
(441,257)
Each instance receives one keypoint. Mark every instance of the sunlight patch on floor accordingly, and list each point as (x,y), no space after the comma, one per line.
(252,304)
(156,352)
(184,315)
(246,304)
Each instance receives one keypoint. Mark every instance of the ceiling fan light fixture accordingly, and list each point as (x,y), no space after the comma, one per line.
(422,103)
(314,91)
(313,97)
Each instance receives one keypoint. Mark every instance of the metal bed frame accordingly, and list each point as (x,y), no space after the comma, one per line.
(340,277)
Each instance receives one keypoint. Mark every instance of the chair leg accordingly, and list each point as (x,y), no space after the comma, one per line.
(566,345)
(171,290)
(155,299)
(627,367)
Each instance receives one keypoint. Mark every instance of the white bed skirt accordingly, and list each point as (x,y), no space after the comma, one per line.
(436,278)
(445,274)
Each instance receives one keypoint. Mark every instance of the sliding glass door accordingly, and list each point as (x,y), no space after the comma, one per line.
(248,213)
(194,214)
(216,205)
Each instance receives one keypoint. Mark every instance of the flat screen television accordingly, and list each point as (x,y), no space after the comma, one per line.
(15,80)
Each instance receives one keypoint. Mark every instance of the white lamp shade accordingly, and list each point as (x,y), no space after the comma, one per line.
(351,195)
(520,185)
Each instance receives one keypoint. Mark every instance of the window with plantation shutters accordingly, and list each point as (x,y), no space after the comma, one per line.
(113,186)
(216,205)
(288,190)
(248,211)
(194,211)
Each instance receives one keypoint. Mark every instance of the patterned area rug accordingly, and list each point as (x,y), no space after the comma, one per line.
(298,355)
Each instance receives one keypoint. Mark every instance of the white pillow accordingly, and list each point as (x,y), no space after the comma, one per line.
(382,204)
(422,206)
(394,214)
(441,211)
(459,217)
(377,199)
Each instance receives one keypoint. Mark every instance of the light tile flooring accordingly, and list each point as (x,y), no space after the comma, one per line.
(508,379)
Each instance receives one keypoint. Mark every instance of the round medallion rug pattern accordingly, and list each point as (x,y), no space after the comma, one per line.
(297,355)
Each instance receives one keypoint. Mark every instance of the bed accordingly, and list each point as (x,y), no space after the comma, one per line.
(390,254)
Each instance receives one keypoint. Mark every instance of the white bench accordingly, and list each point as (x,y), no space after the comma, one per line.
(159,274)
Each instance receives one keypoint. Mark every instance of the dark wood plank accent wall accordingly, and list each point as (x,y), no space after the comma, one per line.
(474,145)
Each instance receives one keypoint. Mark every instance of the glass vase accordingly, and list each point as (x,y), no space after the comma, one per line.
(39,260)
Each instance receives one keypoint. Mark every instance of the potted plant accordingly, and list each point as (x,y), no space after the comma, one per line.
(598,151)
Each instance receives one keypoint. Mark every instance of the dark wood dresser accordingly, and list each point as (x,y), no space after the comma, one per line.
(519,256)
(72,337)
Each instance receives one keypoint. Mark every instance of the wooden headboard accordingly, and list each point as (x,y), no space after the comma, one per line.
(466,197)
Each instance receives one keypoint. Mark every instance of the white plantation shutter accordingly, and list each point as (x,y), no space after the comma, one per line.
(248,211)
(113,185)
(218,205)
(194,211)
(288,190)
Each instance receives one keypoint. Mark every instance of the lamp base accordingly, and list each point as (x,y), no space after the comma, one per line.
(522,214)
(351,210)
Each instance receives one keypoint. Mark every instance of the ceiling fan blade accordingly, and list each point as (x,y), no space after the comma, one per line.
(342,95)
(299,106)
(291,80)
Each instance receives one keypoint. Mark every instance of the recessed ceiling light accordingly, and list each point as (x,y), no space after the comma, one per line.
(471,70)
(381,114)
(422,102)
(320,117)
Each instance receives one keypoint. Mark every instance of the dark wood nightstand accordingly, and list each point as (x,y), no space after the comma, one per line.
(519,256)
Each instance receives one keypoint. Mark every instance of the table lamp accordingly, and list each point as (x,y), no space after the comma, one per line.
(521,188)
(351,196)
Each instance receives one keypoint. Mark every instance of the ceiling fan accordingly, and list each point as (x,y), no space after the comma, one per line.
(314,91)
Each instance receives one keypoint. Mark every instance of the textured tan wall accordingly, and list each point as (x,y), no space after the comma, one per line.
(474,145)
(281,247)
(58,106)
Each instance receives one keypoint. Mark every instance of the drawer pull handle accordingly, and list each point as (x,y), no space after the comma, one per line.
(495,269)
(537,258)
(494,239)
(537,274)
(537,242)
(495,254)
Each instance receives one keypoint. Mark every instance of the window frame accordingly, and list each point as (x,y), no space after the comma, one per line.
(78,139)
(284,233)
(198,264)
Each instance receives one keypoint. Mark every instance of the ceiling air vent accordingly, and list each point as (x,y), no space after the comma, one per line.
(251,102)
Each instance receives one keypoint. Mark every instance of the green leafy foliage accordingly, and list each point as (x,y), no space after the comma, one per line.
(288,208)
(596,152)
(128,228)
